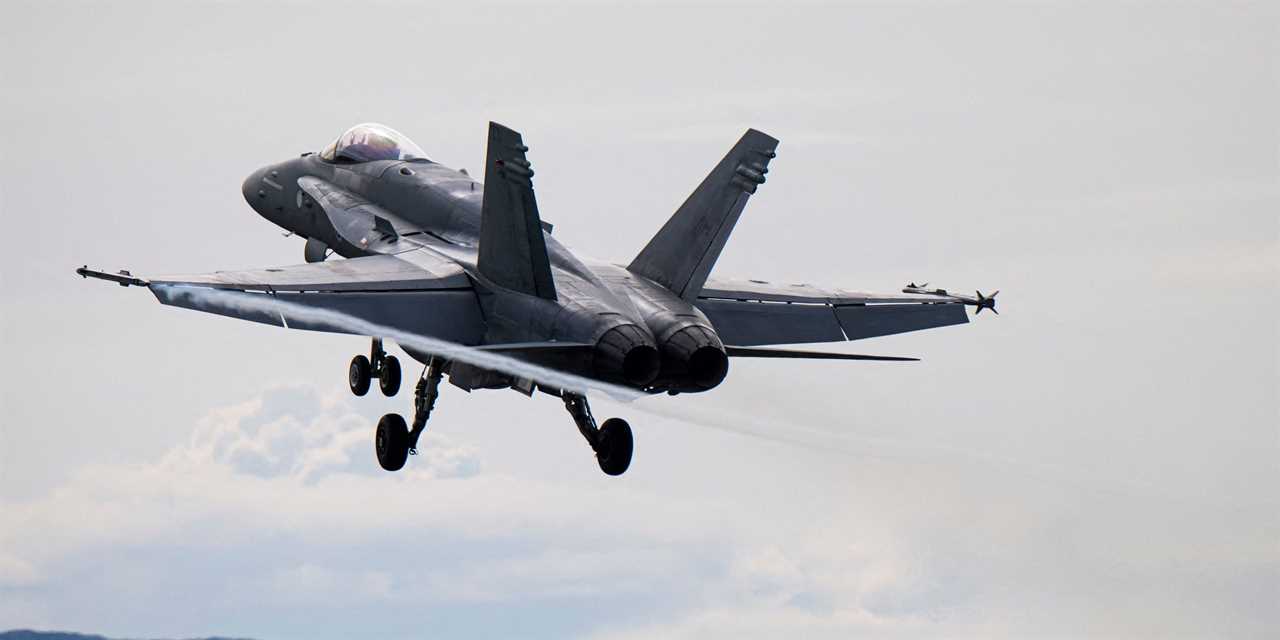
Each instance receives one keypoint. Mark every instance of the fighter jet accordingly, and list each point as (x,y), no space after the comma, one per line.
(431,251)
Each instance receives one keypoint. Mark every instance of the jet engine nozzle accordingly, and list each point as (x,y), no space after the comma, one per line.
(693,359)
(626,354)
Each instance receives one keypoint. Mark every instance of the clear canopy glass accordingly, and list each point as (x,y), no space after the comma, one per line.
(371,141)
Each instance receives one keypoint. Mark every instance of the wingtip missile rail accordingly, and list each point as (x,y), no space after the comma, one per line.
(122,277)
(980,301)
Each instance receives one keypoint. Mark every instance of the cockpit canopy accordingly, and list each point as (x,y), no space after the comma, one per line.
(371,141)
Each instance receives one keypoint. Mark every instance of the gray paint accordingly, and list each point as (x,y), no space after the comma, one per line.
(681,255)
(513,252)
(427,253)
(869,321)
(744,323)
(413,270)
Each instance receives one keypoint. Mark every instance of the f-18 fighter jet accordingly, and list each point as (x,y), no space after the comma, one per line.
(430,251)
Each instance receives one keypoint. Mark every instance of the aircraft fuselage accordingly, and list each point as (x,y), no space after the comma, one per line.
(645,335)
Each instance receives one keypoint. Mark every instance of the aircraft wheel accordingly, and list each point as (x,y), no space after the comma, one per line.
(358,375)
(614,446)
(391,442)
(389,377)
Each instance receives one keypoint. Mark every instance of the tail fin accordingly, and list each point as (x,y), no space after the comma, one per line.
(513,251)
(681,255)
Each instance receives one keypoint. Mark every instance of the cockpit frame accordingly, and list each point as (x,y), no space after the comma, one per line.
(370,141)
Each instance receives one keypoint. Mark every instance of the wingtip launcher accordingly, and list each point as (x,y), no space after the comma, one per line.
(980,301)
(122,277)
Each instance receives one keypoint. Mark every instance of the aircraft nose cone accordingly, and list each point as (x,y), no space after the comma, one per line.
(255,192)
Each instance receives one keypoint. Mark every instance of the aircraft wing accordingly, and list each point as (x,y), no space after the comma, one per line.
(752,312)
(417,291)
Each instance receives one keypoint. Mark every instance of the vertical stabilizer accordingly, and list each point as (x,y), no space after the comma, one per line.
(513,251)
(681,255)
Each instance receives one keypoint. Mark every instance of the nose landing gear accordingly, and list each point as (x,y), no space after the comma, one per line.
(386,368)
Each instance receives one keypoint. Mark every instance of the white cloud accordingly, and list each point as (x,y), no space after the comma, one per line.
(276,504)
(297,433)
(287,479)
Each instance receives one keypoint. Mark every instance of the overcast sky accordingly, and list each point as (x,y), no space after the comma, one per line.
(1101,458)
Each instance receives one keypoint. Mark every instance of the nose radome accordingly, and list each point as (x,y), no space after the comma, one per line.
(255,192)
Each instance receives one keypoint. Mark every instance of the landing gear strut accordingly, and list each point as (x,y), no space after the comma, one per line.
(385,368)
(424,400)
(612,441)
(394,442)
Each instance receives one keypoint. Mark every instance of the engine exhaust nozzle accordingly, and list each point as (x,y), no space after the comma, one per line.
(693,359)
(625,354)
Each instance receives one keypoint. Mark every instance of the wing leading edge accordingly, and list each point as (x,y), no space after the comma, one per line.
(416,292)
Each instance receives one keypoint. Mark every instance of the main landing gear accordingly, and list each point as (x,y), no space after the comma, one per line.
(395,440)
(384,367)
(611,441)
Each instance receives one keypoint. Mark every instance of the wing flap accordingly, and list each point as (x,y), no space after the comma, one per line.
(250,307)
(447,315)
(755,323)
(871,320)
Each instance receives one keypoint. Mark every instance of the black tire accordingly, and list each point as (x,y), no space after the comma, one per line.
(615,446)
(389,377)
(358,375)
(391,442)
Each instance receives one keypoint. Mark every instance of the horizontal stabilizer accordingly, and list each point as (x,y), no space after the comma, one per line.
(743,352)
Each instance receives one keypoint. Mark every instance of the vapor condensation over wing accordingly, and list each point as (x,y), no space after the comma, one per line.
(719,418)
(210,298)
